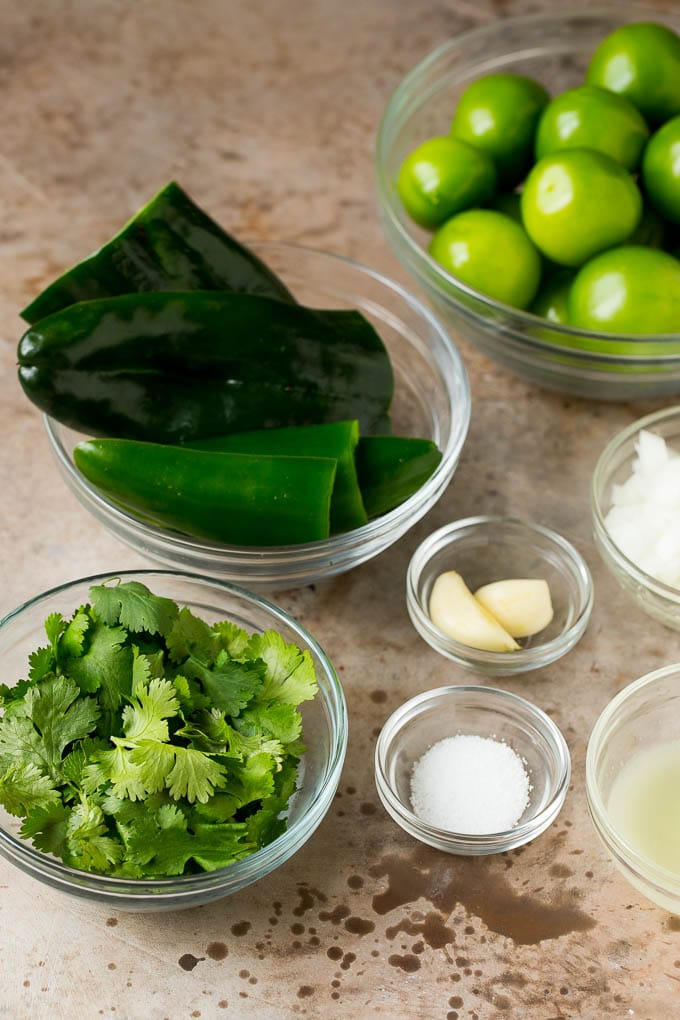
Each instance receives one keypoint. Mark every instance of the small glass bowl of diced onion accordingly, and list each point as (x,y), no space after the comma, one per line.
(472,758)
(635,501)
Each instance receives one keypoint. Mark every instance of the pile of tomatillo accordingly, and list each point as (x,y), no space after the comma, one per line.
(566,207)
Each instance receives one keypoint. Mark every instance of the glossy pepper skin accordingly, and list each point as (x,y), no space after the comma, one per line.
(235,498)
(337,440)
(170,244)
(171,367)
(392,468)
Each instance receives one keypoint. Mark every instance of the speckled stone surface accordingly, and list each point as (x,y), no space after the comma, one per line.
(266,112)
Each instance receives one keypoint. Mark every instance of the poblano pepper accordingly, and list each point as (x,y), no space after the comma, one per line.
(171,367)
(170,244)
(236,498)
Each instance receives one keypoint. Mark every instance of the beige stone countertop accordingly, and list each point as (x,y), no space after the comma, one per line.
(266,112)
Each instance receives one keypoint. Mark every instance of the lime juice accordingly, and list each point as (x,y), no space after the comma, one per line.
(644,804)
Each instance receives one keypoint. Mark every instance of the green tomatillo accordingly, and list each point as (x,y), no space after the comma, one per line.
(498,115)
(442,177)
(577,203)
(589,117)
(491,252)
(552,300)
(627,290)
(641,61)
(661,170)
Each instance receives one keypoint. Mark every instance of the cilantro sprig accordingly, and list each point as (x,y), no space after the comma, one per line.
(144,742)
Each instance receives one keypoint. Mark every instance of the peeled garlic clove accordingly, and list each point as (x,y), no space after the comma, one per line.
(455,610)
(522,605)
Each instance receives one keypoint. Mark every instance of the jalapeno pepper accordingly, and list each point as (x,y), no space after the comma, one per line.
(235,498)
(392,468)
(337,440)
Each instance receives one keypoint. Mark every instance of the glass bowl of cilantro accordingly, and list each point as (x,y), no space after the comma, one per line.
(165,739)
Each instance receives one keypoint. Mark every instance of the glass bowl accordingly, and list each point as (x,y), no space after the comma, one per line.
(643,717)
(479,711)
(324,721)
(555,49)
(486,549)
(660,600)
(431,399)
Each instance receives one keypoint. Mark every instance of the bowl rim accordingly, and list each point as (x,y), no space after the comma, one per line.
(599,483)
(473,842)
(531,657)
(244,871)
(448,362)
(424,266)
(645,868)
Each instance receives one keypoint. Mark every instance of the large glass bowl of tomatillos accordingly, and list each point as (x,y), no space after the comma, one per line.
(270,415)
(165,739)
(528,179)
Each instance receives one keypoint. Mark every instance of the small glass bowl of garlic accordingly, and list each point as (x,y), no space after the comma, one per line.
(499,595)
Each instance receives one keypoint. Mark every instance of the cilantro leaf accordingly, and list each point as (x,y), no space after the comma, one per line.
(55,624)
(20,741)
(46,827)
(42,663)
(168,851)
(253,778)
(60,716)
(90,846)
(208,732)
(189,695)
(221,807)
(115,766)
(145,718)
(234,640)
(24,787)
(141,669)
(77,760)
(71,641)
(194,775)
(229,684)
(269,822)
(283,722)
(13,695)
(242,746)
(191,636)
(133,606)
(290,677)
(104,668)
(52,716)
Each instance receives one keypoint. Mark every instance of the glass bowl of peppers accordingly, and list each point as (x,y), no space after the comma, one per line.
(273,434)
(166,739)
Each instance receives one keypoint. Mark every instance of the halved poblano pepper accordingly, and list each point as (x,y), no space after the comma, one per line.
(392,468)
(235,498)
(337,440)
(170,244)
(171,367)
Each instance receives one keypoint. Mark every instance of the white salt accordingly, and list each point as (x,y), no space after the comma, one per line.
(644,518)
(470,784)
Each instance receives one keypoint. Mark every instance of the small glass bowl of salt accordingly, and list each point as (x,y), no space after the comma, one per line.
(472,770)
(635,501)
